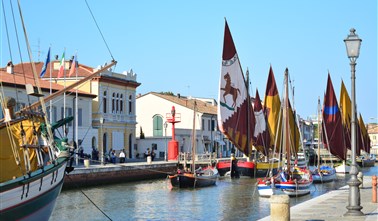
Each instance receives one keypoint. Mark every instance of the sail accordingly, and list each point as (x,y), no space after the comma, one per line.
(261,135)
(294,130)
(10,151)
(272,106)
(333,132)
(346,114)
(364,135)
(235,114)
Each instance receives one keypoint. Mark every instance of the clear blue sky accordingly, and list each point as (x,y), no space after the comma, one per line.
(177,45)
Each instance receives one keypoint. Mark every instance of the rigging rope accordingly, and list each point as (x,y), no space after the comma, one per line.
(77,186)
(94,19)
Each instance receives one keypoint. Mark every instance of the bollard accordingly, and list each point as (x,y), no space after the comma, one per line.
(279,208)
(374,189)
(86,163)
(360,177)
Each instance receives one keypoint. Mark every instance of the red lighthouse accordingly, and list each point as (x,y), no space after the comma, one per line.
(173,144)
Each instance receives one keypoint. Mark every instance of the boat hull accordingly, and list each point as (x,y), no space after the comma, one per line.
(366,162)
(343,168)
(326,174)
(190,180)
(298,186)
(263,168)
(244,168)
(32,198)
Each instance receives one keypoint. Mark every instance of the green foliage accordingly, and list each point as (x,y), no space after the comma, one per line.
(167,93)
(141,136)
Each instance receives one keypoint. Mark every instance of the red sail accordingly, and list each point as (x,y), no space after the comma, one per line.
(334,131)
(261,135)
(235,112)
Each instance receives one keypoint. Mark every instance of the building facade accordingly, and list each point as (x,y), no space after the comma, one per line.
(104,105)
(155,131)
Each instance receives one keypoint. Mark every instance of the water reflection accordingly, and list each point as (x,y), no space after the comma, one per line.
(153,200)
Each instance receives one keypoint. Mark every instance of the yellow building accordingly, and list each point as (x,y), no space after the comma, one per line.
(113,110)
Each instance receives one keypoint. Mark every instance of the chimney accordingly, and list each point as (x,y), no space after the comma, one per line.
(10,67)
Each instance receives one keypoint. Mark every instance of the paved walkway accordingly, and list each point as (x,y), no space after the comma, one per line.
(332,206)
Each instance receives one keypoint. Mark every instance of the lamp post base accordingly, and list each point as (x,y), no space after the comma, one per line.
(354,211)
(354,208)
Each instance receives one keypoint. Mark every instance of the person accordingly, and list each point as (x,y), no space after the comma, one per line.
(147,153)
(152,155)
(234,167)
(113,157)
(94,153)
(122,156)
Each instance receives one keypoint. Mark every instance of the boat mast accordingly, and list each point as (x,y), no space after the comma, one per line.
(286,121)
(194,137)
(319,128)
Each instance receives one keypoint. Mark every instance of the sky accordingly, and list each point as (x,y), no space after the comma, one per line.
(176,46)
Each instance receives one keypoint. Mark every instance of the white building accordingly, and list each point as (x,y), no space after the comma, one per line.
(152,110)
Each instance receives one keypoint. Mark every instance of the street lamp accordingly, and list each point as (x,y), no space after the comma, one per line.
(102,120)
(353,43)
(165,134)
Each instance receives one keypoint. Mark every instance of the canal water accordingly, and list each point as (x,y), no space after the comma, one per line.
(235,199)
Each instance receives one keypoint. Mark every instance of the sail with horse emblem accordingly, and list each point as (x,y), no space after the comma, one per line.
(235,112)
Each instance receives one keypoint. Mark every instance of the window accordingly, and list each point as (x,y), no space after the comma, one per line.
(104,102)
(157,126)
(80,117)
(130,104)
(203,124)
(121,103)
(54,114)
(117,102)
(68,113)
(19,106)
(113,103)
(212,125)
(208,125)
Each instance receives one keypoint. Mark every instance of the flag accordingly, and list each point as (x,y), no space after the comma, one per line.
(346,114)
(43,72)
(61,69)
(272,108)
(333,133)
(261,135)
(235,112)
(73,67)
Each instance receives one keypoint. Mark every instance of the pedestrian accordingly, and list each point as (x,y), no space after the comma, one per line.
(234,167)
(113,157)
(147,153)
(122,156)
(152,155)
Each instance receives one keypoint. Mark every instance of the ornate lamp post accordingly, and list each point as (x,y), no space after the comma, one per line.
(353,43)
(102,120)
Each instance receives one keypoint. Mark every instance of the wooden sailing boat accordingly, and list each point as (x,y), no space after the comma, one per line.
(235,112)
(32,160)
(336,120)
(194,177)
(293,181)
(322,173)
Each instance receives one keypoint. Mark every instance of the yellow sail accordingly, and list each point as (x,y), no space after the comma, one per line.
(8,167)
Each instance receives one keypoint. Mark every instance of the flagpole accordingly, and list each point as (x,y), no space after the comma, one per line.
(76,108)
(64,95)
